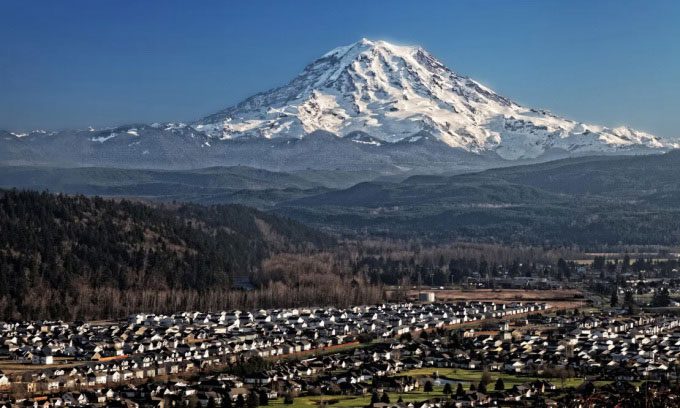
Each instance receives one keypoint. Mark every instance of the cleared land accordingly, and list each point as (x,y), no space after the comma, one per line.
(353,401)
(559,298)
(8,366)
(468,377)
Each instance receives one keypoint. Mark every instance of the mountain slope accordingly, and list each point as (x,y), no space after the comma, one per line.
(181,147)
(635,177)
(394,92)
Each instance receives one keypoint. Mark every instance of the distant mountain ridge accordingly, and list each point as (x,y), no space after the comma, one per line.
(593,201)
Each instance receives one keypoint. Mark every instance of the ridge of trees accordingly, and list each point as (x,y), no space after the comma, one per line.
(79,257)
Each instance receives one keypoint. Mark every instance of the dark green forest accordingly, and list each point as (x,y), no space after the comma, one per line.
(58,252)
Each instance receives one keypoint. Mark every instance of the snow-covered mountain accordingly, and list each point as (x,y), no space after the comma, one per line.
(393,92)
(370,106)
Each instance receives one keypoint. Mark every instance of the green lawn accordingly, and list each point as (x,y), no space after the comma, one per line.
(455,374)
(473,376)
(348,401)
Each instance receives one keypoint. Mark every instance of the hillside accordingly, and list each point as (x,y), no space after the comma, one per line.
(65,247)
(640,177)
(589,201)
(239,185)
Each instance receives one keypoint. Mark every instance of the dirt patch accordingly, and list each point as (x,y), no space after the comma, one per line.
(560,298)
(13,367)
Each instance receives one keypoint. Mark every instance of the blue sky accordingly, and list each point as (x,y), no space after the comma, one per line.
(101,63)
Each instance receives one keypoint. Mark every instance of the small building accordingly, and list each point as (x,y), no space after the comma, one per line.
(42,358)
(426,297)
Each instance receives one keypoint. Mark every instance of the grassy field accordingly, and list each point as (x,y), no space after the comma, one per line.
(466,377)
(473,376)
(347,401)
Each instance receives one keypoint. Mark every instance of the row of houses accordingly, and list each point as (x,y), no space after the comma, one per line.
(540,345)
(612,347)
(146,345)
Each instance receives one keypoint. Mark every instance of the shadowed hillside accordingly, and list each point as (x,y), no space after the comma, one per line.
(68,248)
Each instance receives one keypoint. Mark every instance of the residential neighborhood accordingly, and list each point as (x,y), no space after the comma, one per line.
(428,354)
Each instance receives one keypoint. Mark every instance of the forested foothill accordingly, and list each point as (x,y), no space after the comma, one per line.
(89,257)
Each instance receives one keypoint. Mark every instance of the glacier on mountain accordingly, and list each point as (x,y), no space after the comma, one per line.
(393,92)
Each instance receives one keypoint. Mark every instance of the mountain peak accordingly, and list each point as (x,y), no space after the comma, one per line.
(367,44)
(392,92)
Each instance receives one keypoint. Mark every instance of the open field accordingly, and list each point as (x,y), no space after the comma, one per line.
(473,376)
(466,377)
(347,401)
(12,366)
(559,298)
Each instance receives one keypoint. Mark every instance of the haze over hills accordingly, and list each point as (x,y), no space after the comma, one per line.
(591,201)
(369,106)
(588,201)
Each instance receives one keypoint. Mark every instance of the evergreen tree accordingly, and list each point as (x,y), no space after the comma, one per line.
(589,388)
(661,298)
(375,398)
(428,386)
(264,398)
(253,401)
(599,263)
(385,398)
(500,385)
(447,389)
(459,390)
(563,268)
(629,302)
(481,387)
(626,263)
(614,301)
